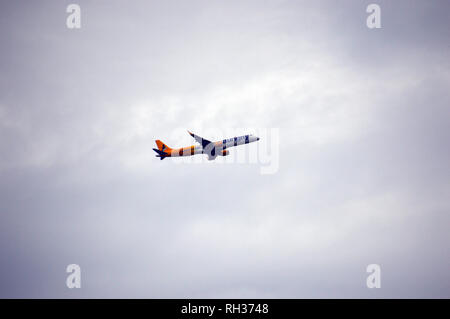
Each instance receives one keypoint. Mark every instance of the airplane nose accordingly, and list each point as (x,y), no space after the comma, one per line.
(257,138)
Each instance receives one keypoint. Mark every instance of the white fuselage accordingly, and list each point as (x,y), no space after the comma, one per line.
(214,149)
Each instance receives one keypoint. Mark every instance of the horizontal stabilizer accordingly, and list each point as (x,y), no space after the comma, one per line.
(161,153)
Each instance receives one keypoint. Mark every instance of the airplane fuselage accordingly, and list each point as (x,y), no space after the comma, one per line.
(212,149)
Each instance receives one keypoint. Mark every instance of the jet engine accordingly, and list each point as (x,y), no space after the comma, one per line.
(225,153)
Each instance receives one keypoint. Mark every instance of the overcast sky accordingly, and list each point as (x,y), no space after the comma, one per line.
(363,178)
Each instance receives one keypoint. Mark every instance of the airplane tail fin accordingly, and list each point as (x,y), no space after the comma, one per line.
(163,150)
(162,147)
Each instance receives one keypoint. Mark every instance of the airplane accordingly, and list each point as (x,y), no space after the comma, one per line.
(212,149)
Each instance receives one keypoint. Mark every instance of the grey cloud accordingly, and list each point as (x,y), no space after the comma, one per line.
(364,127)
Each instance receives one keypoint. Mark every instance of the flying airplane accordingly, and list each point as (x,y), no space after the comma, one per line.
(212,149)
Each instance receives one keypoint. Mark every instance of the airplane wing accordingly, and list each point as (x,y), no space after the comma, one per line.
(203,142)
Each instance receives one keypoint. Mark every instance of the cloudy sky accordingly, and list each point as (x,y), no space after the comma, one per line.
(363,153)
